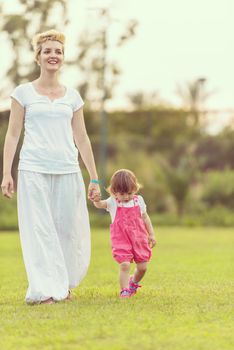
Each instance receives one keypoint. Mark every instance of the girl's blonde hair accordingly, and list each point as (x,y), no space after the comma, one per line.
(40,38)
(123,181)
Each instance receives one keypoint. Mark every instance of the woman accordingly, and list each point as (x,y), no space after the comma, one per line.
(52,212)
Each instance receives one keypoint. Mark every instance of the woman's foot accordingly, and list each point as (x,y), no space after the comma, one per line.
(69,296)
(48,301)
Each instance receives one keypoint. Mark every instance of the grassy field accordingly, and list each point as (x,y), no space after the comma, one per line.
(186,301)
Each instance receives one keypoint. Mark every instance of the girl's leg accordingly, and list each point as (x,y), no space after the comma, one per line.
(138,275)
(139,271)
(124,273)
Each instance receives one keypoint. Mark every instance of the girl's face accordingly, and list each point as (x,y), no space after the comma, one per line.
(51,55)
(124,197)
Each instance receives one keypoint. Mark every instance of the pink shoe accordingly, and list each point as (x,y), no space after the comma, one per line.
(125,293)
(133,286)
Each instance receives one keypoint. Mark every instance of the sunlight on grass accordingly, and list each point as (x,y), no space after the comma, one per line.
(186,299)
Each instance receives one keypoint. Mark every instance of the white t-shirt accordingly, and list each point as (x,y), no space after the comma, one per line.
(48,145)
(112,205)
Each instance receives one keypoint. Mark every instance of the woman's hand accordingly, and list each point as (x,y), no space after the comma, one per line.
(94,193)
(7,186)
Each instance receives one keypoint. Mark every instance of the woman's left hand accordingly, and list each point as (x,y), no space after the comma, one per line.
(94,193)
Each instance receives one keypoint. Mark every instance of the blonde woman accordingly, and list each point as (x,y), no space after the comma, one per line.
(52,212)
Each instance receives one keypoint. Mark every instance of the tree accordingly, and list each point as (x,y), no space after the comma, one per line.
(218,188)
(35,16)
(140,100)
(99,73)
(194,96)
(179,180)
(216,151)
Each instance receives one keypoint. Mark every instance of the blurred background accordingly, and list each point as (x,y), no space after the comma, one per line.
(156,77)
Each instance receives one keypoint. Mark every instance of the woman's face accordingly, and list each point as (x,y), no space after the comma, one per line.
(51,55)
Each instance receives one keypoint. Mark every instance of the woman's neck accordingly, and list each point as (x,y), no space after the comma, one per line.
(48,80)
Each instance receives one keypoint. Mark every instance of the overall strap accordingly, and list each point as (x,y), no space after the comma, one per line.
(119,204)
(135,200)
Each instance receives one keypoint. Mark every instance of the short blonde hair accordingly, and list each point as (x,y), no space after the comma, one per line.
(123,181)
(40,38)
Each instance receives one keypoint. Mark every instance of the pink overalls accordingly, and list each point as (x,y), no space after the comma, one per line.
(129,237)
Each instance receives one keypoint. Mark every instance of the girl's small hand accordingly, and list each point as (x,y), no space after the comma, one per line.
(7,186)
(152,241)
(94,193)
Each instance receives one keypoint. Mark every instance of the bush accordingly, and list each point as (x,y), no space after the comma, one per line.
(217,216)
(219,189)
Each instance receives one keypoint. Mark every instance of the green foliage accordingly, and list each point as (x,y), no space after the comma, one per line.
(164,151)
(218,216)
(179,180)
(216,152)
(166,147)
(219,188)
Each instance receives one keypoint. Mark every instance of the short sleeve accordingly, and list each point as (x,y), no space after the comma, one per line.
(19,95)
(111,207)
(110,204)
(77,101)
(142,204)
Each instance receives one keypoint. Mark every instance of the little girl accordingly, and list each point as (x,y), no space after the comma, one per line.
(132,234)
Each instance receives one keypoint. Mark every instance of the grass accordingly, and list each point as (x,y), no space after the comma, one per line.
(186,301)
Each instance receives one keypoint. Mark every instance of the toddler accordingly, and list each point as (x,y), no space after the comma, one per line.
(132,234)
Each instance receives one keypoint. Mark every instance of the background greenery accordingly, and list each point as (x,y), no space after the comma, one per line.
(187,173)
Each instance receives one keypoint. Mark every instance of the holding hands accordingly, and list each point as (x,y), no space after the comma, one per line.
(94,192)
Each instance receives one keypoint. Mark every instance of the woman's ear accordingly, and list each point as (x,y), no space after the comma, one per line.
(37,61)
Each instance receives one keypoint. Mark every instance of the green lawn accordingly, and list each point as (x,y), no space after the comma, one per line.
(186,301)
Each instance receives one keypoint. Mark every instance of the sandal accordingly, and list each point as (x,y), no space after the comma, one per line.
(125,293)
(69,296)
(48,301)
(133,286)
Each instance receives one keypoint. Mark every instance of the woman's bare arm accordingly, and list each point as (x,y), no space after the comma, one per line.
(82,142)
(15,126)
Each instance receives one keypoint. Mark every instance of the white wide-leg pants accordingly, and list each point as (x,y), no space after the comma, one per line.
(54,233)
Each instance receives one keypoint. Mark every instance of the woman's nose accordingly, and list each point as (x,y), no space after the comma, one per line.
(53,54)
